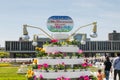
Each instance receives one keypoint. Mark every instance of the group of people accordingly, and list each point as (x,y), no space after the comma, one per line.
(108,65)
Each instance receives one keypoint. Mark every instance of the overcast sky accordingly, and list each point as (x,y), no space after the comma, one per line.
(15,13)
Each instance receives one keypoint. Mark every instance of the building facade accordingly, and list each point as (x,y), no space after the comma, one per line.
(91,48)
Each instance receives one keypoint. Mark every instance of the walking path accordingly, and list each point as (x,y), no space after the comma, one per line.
(101,66)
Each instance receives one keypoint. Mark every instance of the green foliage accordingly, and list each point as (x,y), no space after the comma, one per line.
(41,54)
(4,54)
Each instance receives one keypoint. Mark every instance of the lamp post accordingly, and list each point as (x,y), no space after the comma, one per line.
(25,32)
(34,43)
(26,37)
(83,39)
(93,34)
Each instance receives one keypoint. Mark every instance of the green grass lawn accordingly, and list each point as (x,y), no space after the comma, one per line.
(10,73)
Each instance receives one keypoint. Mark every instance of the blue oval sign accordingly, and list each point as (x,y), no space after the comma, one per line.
(60,24)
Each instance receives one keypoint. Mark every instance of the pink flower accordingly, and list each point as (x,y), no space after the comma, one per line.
(86,78)
(35,77)
(81,77)
(80,51)
(84,65)
(90,65)
(54,40)
(63,63)
(58,78)
(39,66)
(41,77)
(45,65)
(67,79)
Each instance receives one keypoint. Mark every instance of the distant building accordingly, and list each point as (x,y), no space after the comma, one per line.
(114,35)
(78,36)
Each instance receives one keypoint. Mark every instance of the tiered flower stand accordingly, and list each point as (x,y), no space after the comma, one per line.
(68,73)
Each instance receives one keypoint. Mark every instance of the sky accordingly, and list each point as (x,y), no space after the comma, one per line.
(15,13)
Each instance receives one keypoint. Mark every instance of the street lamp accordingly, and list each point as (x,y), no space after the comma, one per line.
(83,39)
(26,37)
(34,43)
(35,39)
(25,32)
(93,35)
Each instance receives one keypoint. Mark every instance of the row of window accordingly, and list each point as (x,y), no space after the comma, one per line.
(90,45)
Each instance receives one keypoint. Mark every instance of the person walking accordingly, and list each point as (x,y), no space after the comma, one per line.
(107,69)
(116,66)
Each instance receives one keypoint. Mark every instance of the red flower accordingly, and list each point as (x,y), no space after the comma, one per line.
(54,40)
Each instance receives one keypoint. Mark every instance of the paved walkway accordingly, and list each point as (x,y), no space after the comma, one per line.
(101,66)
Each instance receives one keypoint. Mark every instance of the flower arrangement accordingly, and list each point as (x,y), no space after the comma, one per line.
(61,66)
(86,77)
(39,66)
(41,77)
(56,54)
(60,43)
(80,53)
(40,52)
(55,42)
(63,78)
(85,65)
(34,66)
(45,66)
(30,75)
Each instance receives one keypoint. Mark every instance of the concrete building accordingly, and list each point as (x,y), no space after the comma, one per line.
(114,35)
(91,48)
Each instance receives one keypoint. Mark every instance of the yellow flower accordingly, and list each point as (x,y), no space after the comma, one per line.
(32,73)
(39,49)
(29,76)
(42,50)
(29,72)
(35,61)
(36,48)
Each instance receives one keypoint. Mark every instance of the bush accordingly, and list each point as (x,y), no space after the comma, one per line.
(4,54)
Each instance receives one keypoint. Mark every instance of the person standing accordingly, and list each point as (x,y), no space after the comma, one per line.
(116,66)
(99,75)
(107,68)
